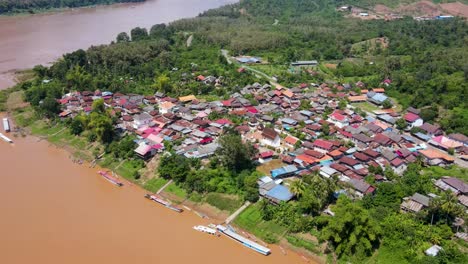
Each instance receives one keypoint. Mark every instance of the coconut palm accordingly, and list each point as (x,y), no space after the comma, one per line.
(446,206)
(298,188)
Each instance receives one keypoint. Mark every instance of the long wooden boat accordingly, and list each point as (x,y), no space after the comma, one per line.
(159,200)
(110,178)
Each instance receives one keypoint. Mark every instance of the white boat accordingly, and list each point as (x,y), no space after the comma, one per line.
(5,138)
(6,125)
(205,229)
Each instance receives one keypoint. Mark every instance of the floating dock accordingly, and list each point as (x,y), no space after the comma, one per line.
(5,138)
(161,201)
(6,125)
(244,241)
(110,178)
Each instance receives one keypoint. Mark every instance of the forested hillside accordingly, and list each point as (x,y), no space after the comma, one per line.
(11,6)
(391,3)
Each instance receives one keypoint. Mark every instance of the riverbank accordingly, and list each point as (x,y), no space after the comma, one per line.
(104,218)
(80,152)
(51,10)
(23,45)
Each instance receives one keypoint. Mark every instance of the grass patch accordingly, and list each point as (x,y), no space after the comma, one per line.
(224,202)
(265,168)
(366,106)
(251,220)
(128,169)
(176,190)
(386,255)
(452,171)
(270,69)
(15,100)
(303,243)
(155,184)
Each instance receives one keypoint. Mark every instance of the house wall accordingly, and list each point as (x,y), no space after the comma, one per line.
(419,122)
(140,123)
(273,143)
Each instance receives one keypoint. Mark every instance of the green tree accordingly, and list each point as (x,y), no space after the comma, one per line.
(78,78)
(101,126)
(387,104)
(50,107)
(235,154)
(352,232)
(98,106)
(162,83)
(342,104)
(325,129)
(429,114)
(174,167)
(139,33)
(445,208)
(297,188)
(76,126)
(401,123)
(122,37)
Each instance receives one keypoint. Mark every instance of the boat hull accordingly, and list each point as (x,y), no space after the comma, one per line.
(163,202)
(110,179)
(244,241)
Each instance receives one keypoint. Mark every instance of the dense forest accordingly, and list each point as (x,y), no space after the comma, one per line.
(13,6)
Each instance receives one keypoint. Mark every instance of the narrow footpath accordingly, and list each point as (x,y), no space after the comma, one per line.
(164,187)
(236,213)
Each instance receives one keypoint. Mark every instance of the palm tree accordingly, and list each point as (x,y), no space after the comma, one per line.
(446,205)
(298,188)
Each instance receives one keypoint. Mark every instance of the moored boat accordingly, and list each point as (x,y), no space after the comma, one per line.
(205,229)
(5,138)
(244,241)
(110,178)
(161,201)
(6,125)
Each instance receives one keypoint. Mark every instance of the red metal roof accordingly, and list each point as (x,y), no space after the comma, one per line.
(320,143)
(410,117)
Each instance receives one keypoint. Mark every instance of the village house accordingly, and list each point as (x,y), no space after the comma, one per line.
(415,203)
(431,130)
(361,187)
(270,138)
(141,120)
(454,185)
(413,120)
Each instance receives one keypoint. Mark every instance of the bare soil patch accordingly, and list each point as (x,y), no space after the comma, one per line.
(456,9)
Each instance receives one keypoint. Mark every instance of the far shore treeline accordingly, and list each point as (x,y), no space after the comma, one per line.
(31,6)
(425,63)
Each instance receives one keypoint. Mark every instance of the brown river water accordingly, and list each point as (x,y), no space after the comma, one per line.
(29,40)
(55,211)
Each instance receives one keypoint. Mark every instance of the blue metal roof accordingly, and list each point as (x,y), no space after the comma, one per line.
(289,121)
(279,192)
(284,170)
(379,97)
(422,136)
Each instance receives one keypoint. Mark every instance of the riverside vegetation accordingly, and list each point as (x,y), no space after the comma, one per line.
(19,6)
(426,61)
